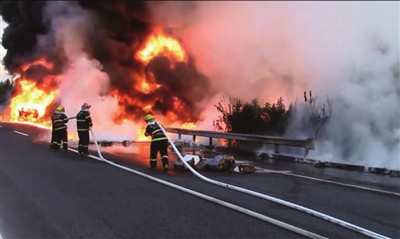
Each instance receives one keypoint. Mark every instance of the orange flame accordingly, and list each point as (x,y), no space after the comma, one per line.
(158,44)
(140,136)
(31,103)
(189,125)
(41,62)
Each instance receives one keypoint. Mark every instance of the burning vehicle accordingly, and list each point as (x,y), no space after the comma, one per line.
(147,67)
(28,114)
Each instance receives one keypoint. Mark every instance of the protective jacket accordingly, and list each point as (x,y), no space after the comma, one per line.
(59,120)
(159,143)
(83,120)
(155,132)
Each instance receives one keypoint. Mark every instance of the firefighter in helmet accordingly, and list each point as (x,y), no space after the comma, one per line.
(159,142)
(59,130)
(84,123)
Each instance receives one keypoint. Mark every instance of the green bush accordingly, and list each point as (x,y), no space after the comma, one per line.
(238,116)
(251,117)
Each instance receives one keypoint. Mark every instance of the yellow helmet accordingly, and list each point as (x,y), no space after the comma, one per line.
(148,117)
(61,108)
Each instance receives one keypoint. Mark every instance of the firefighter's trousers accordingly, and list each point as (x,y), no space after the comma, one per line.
(52,139)
(83,144)
(59,139)
(162,147)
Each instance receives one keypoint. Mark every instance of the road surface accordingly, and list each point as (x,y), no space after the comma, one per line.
(62,195)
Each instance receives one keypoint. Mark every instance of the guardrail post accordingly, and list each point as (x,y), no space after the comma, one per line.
(306,152)
(210,142)
(276,148)
(229,143)
(194,138)
(179,136)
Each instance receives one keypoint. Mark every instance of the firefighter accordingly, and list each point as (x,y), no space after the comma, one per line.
(159,142)
(59,132)
(84,123)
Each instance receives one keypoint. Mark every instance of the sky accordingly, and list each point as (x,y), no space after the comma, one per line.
(3,73)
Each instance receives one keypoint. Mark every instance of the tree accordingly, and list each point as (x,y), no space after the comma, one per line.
(251,117)
(278,117)
(238,116)
(5,87)
(229,111)
(316,116)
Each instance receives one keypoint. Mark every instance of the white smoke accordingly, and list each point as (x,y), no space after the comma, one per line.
(83,81)
(4,75)
(344,50)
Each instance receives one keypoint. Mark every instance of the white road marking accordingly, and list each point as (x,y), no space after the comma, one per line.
(215,200)
(1,126)
(264,196)
(289,173)
(21,133)
(264,170)
(240,209)
(331,182)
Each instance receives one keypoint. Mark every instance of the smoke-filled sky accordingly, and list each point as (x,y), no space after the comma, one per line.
(292,45)
(348,51)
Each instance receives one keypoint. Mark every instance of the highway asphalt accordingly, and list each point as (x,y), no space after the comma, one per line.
(62,195)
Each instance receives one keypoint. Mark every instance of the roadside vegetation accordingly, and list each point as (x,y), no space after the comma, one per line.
(274,119)
(5,88)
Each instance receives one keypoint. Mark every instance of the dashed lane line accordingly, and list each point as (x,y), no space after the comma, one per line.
(21,133)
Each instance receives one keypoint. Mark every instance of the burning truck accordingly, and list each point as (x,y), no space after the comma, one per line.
(147,66)
(28,114)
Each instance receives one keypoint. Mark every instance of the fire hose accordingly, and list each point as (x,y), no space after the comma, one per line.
(256,194)
(211,199)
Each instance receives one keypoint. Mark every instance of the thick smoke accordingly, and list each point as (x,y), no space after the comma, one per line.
(348,51)
(93,44)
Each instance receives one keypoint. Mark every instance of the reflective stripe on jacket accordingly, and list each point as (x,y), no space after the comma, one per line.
(59,120)
(156,133)
(83,120)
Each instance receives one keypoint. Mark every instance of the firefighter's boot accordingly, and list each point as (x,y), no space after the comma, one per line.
(65,147)
(153,163)
(165,163)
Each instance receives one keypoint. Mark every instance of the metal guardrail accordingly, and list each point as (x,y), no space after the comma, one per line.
(307,144)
